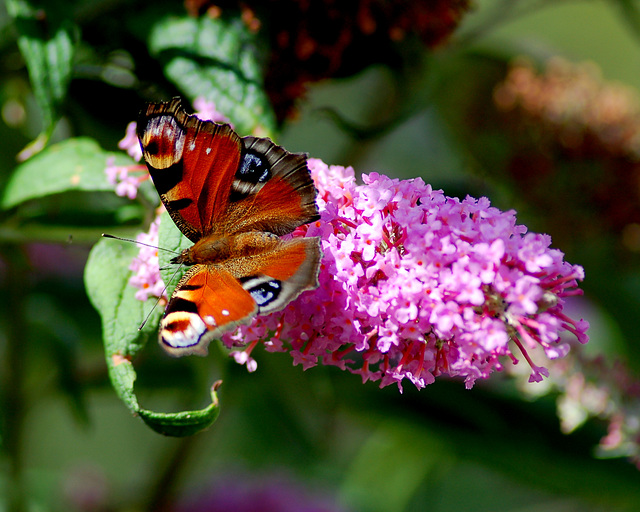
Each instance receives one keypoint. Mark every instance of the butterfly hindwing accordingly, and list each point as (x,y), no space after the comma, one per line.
(212,299)
(206,302)
(279,274)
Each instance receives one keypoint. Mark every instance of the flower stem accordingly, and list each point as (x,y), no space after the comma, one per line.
(162,491)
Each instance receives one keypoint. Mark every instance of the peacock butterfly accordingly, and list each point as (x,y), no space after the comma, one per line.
(233,198)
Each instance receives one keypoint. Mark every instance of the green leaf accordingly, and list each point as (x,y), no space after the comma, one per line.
(123,376)
(73,164)
(47,41)
(107,277)
(217,59)
(186,423)
(170,237)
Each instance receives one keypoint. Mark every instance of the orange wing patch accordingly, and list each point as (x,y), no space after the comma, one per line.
(207,302)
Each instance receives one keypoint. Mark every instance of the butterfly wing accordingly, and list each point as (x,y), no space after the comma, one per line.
(280,273)
(212,181)
(206,302)
(273,190)
(212,299)
(192,164)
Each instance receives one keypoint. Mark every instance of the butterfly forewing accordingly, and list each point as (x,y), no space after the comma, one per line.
(192,164)
(280,203)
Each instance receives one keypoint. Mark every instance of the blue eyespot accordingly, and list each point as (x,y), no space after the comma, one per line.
(266,292)
(253,169)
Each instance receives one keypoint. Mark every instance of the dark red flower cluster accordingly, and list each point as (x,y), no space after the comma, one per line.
(313,40)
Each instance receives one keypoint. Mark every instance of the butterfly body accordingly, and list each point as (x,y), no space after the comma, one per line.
(217,249)
(233,197)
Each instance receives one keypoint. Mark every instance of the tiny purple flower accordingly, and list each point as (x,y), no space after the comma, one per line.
(130,142)
(146,266)
(126,179)
(206,110)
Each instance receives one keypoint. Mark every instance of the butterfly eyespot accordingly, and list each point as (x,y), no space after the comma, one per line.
(266,292)
(209,320)
(225,312)
(152,148)
(162,142)
(253,169)
(182,329)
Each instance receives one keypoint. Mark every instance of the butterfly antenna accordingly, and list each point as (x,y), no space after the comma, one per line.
(107,235)
(158,299)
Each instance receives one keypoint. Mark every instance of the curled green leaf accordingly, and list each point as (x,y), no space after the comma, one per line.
(107,277)
(185,423)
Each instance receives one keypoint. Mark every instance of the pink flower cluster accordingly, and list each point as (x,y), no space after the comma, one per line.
(127,178)
(206,110)
(414,284)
